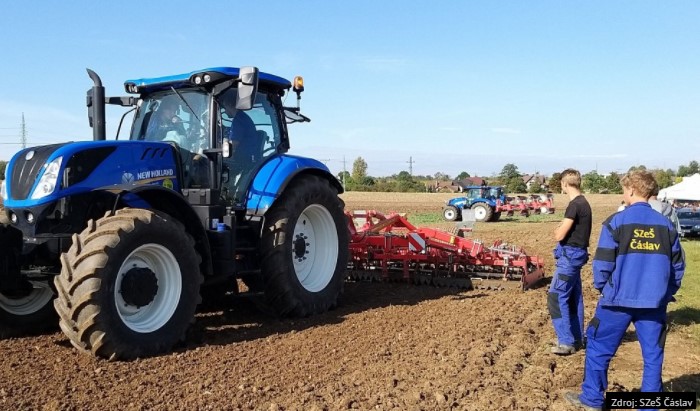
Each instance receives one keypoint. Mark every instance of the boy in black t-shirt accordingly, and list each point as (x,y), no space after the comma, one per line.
(565,298)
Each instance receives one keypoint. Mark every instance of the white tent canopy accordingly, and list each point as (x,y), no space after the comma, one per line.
(688,189)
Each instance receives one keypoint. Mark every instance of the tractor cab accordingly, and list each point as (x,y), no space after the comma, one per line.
(222,129)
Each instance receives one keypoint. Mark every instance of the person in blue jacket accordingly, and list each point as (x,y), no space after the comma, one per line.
(637,267)
(565,297)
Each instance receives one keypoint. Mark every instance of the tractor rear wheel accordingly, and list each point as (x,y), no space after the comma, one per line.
(25,303)
(129,285)
(304,248)
(482,212)
(450,213)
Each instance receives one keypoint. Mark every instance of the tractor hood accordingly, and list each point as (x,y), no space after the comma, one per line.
(40,175)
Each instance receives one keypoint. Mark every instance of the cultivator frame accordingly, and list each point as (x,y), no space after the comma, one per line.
(391,248)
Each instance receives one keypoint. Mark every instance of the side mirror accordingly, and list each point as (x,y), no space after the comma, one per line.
(247,88)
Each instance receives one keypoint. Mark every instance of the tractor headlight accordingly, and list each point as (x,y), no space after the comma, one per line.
(697,227)
(48,181)
(3,190)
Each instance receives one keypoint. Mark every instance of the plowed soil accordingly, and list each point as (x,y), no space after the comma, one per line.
(386,347)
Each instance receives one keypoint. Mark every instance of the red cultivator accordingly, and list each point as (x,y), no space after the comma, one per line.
(391,248)
(526,205)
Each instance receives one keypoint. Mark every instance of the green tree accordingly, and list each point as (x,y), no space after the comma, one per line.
(554,183)
(593,182)
(3,166)
(535,189)
(635,168)
(515,185)
(509,171)
(693,168)
(441,176)
(359,169)
(612,183)
(683,171)
(664,178)
(463,175)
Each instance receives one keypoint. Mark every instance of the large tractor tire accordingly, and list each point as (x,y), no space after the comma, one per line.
(26,305)
(304,249)
(495,217)
(450,213)
(129,285)
(482,212)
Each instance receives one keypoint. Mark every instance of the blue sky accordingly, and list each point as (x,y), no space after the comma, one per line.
(456,86)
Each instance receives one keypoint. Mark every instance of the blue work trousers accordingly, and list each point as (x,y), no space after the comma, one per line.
(605,333)
(565,298)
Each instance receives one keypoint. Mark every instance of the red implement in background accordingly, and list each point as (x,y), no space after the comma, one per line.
(390,248)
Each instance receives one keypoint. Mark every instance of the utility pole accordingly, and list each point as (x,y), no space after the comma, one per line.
(344,172)
(410,165)
(23,134)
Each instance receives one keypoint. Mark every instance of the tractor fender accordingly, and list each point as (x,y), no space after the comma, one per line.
(171,202)
(274,176)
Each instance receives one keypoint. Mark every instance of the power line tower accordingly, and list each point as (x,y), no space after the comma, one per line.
(23,133)
(410,165)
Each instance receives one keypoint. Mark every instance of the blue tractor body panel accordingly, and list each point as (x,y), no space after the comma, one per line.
(273,177)
(122,163)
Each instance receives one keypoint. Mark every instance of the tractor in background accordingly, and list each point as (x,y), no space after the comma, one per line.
(489,202)
(121,239)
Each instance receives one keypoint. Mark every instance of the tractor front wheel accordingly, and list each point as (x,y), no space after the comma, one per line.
(450,213)
(129,285)
(304,248)
(482,212)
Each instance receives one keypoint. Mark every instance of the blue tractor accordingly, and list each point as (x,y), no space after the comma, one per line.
(121,239)
(484,200)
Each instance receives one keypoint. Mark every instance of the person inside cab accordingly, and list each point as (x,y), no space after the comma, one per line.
(164,124)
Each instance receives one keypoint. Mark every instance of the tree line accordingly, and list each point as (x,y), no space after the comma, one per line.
(509,177)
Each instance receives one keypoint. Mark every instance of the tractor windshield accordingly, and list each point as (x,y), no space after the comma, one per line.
(180,117)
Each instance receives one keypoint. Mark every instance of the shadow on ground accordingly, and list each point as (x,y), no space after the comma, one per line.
(684,316)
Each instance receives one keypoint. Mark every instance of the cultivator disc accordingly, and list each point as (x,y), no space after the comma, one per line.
(389,248)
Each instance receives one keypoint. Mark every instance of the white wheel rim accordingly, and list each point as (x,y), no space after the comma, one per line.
(37,299)
(544,210)
(155,314)
(480,213)
(315,248)
(449,214)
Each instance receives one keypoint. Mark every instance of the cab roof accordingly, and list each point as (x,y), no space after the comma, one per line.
(181,80)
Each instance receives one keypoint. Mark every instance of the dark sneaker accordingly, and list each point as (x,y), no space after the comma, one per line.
(563,349)
(573,399)
(580,345)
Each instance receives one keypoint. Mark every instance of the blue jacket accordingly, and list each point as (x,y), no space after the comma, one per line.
(639,262)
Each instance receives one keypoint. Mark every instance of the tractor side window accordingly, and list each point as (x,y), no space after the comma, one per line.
(254,134)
